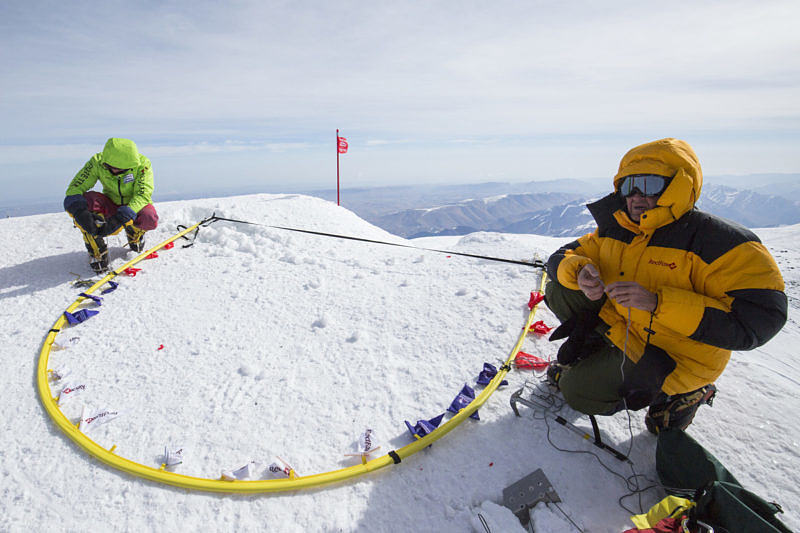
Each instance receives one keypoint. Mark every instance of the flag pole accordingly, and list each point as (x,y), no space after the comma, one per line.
(337,166)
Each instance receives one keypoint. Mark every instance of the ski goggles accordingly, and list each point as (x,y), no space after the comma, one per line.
(646,184)
(115,169)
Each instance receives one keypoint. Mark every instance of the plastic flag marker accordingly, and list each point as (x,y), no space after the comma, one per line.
(96,299)
(463,399)
(244,472)
(424,427)
(90,420)
(80,316)
(367,443)
(530,362)
(536,298)
(72,342)
(131,271)
(539,328)
(58,374)
(487,374)
(113,287)
(153,255)
(173,455)
(71,390)
(169,246)
(280,468)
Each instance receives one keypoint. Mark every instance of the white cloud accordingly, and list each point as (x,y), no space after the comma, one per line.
(185,77)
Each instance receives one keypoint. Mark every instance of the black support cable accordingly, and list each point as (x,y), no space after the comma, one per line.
(535,264)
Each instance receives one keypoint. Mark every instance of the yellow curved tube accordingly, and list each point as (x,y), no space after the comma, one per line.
(219,485)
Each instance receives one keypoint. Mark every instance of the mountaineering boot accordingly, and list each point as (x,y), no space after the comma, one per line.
(98,260)
(98,252)
(677,411)
(554,371)
(135,238)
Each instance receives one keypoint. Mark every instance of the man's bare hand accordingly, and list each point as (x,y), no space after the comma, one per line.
(590,283)
(631,294)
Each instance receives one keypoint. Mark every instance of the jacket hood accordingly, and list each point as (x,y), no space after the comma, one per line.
(121,153)
(667,157)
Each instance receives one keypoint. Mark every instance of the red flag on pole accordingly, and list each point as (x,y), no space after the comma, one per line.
(341,148)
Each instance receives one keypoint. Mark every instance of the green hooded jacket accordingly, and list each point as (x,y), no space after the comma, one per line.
(133,188)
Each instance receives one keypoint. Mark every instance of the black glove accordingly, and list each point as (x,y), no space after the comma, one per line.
(643,383)
(116,221)
(582,340)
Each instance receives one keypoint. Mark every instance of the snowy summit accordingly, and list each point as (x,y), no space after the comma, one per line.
(259,343)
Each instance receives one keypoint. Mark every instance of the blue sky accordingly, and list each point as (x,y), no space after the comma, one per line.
(249,94)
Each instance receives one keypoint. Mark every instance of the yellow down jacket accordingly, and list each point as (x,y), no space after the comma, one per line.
(718,287)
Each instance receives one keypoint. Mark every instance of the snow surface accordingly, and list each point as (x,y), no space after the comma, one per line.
(290,344)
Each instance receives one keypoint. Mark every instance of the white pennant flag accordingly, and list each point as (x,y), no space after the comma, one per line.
(59,374)
(71,390)
(278,468)
(90,420)
(173,455)
(366,444)
(245,472)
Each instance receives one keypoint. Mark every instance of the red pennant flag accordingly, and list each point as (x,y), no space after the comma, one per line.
(539,328)
(536,297)
(130,271)
(169,245)
(152,255)
(530,362)
(342,145)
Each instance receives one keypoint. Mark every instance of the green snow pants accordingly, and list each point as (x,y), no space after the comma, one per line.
(590,385)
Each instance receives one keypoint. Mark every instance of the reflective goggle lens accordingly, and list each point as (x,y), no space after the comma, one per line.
(647,184)
(111,169)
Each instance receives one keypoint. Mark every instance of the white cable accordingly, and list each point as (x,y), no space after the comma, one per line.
(627,412)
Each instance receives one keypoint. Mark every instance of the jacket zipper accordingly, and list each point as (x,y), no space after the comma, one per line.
(119,188)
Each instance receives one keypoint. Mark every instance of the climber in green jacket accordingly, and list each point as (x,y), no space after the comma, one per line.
(125,202)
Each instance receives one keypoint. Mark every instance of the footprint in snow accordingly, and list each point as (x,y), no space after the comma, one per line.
(321,322)
(461,292)
(353,337)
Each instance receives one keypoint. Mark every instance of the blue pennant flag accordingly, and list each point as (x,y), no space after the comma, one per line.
(424,427)
(80,316)
(113,287)
(487,374)
(96,299)
(463,399)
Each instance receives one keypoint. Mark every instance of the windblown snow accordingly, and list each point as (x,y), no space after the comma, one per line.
(258,343)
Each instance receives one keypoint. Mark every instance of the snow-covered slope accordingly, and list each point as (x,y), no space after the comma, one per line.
(289,344)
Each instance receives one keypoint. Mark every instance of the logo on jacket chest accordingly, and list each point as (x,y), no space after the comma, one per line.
(671,266)
(128,178)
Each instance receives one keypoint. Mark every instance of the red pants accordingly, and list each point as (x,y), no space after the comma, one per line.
(146,219)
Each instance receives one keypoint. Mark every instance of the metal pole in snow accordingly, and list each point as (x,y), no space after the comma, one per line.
(337,166)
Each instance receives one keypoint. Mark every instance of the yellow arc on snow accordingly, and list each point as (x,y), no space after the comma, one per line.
(218,485)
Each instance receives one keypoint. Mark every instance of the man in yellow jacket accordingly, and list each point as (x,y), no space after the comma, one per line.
(127,180)
(654,300)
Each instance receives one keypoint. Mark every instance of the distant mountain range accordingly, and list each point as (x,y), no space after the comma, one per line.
(558,208)
(555,207)
(488,214)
